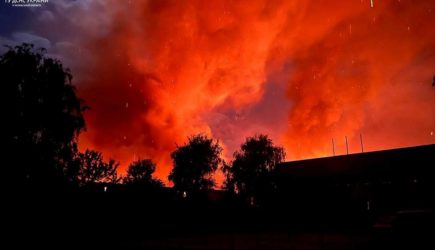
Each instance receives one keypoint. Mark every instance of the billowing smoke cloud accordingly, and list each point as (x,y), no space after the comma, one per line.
(170,69)
(370,74)
(303,72)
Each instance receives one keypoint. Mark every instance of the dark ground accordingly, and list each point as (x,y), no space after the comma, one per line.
(101,221)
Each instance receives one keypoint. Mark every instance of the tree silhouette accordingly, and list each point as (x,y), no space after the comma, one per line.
(140,173)
(195,163)
(93,169)
(42,117)
(250,173)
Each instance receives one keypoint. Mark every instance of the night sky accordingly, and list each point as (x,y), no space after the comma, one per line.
(303,72)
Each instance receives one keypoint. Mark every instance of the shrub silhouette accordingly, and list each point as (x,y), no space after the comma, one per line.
(195,163)
(250,175)
(93,169)
(140,173)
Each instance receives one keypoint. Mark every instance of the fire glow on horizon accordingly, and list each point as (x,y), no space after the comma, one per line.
(303,72)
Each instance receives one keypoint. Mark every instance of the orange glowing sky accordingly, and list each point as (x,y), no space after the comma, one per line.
(303,72)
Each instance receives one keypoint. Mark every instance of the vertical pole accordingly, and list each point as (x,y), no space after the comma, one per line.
(347,146)
(362,145)
(333,147)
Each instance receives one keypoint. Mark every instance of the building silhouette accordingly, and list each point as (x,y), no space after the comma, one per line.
(358,189)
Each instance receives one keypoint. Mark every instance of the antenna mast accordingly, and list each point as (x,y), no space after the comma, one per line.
(333,147)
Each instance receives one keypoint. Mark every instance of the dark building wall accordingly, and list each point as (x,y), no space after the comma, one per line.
(358,185)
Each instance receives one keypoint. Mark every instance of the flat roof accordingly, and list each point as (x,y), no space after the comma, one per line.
(403,161)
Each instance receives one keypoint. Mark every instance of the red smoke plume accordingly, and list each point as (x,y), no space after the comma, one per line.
(164,70)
